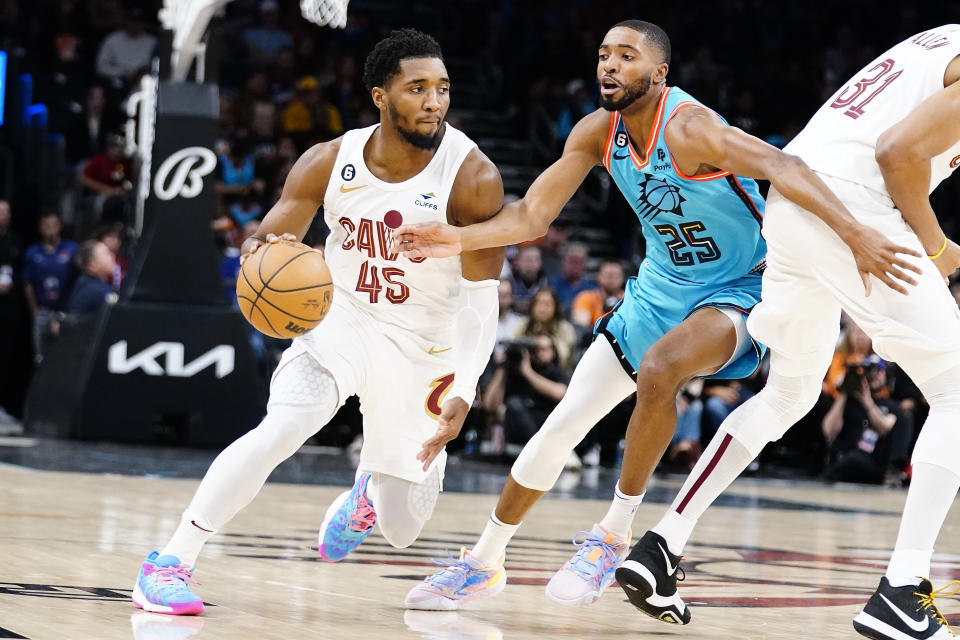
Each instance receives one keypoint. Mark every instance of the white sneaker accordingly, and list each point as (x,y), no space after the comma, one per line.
(591,570)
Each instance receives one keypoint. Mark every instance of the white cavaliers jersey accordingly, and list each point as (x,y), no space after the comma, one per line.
(841,138)
(361,210)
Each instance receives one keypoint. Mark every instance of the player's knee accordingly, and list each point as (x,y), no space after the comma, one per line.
(283,430)
(768,415)
(658,378)
(790,398)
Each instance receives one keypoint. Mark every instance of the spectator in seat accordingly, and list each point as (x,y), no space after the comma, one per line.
(47,276)
(311,117)
(528,384)
(107,178)
(267,39)
(126,53)
(869,434)
(546,317)
(589,305)
(571,280)
(527,277)
(92,289)
(110,235)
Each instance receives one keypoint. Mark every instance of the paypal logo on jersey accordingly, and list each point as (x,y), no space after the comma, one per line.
(425,201)
(656,197)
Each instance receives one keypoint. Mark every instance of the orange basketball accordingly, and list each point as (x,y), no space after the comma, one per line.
(284,289)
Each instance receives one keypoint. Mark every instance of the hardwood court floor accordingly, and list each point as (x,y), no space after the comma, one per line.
(795,562)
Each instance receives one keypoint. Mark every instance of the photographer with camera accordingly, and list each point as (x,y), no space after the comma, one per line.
(868,432)
(526,385)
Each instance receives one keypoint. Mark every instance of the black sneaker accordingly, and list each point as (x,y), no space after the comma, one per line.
(649,578)
(902,613)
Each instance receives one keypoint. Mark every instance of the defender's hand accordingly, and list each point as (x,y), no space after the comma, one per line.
(451,419)
(426,240)
(876,255)
(252,244)
(948,261)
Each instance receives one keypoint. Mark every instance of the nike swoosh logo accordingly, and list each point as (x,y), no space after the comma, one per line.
(666,558)
(617,156)
(434,351)
(344,189)
(907,620)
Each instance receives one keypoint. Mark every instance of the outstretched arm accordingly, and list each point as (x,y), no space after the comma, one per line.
(904,152)
(697,136)
(524,219)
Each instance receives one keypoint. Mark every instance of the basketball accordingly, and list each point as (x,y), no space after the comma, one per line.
(284,289)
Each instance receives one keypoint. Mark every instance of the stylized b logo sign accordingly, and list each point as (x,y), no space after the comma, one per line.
(188,166)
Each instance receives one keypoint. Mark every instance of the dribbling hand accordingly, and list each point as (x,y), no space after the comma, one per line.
(256,243)
(876,255)
(452,415)
(426,240)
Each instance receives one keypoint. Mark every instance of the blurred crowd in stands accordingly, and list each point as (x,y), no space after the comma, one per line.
(286,85)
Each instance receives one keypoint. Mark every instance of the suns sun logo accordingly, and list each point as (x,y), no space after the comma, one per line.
(656,197)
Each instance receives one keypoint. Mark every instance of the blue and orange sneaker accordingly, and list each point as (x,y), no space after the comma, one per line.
(591,570)
(347,523)
(162,586)
(460,582)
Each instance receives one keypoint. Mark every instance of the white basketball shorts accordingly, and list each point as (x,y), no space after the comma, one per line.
(400,377)
(811,275)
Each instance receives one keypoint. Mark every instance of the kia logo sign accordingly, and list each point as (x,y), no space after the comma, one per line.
(118,362)
(181,174)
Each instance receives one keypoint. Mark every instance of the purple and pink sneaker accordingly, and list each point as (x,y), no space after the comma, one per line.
(162,587)
(347,523)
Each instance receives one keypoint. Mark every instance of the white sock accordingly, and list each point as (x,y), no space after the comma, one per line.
(676,530)
(620,515)
(932,490)
(493,541)
(188,539)
(722,461)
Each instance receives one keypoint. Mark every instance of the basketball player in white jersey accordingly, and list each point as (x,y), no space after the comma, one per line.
(882,143)
(397,332)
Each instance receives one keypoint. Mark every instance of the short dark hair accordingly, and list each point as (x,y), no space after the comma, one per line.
(384,61)
(652,33)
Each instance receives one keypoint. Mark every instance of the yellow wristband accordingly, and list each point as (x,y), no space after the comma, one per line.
(943,248)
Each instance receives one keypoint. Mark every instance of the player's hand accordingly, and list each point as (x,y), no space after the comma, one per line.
(251,244)
(452,415)
(948,261)
(426,240)
(876,255)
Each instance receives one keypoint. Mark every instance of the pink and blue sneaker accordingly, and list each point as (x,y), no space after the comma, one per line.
(163,587)
(347,523)
(584,577)
(459,582)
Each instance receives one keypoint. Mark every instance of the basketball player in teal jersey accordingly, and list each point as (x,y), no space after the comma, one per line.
(688,176)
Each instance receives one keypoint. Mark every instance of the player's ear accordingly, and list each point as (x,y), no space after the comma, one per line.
(660,73)
(379,98)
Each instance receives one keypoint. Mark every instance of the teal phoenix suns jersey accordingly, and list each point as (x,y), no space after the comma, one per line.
(699,230)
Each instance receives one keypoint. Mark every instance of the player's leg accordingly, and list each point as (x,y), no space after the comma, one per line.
(903,604)
(921,332)
(799,321)
(303,397)
(598,384)
(700,345)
